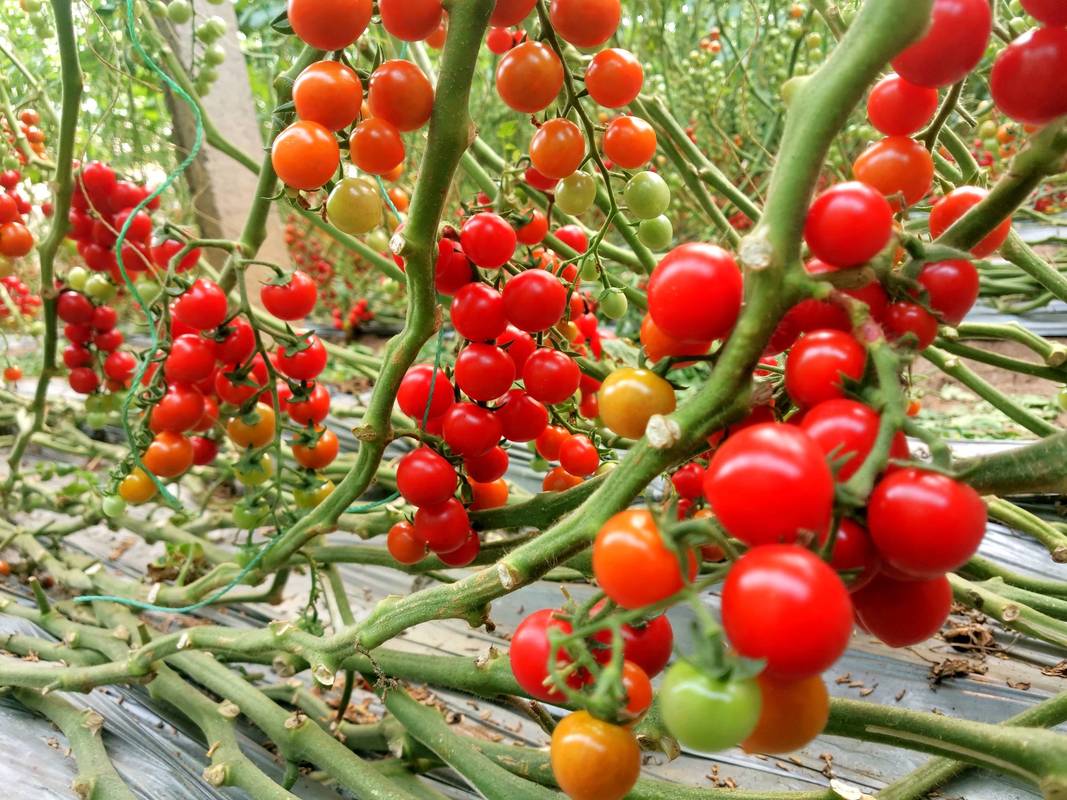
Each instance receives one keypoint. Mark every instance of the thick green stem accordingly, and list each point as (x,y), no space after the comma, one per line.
(1038,468)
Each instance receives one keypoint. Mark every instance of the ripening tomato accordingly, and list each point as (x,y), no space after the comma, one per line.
(137,487)
(903,319)
(951,47)
(848,224)
(452,270)
(819,364)
(410,20)
(168,455)
(695,292)
(902,613)
(792,713)
(1029,77)
(304,364)
(15,240)
(529,77)
(900,168)
(417,399)
(550,376)
(925,524)
(648,644)
(659,345)
(522,418)
(770,460)
(628,398)
(375,146)
(592,759)
(614,77)
(488,495)
(74,356)
(74,308)
(255,429)
(585,23)
(952,288)
(1049,12)
(320,454)
(444,527)
(403,545)
(633,565)
(783,604)
(488,240)
(305,155)
(558,479)
(12,373)
(534,231)
(483,371)
(899,108)
(630,142)
(955,205)
(202,306)
(204,450)
(557,148)
(400,93)
(534,300)
(292,300)
(846,430)
(425,478)
(329,24)
(329,93)
(705,712)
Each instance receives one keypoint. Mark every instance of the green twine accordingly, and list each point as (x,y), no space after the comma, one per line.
(142,366)
(388,199)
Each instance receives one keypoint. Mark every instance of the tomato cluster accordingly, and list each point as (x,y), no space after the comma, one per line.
(16,239)
(29,130)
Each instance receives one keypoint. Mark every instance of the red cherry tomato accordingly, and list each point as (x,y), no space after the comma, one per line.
(444,527)
(848,224)
(899,108)
(414,394)
(585,23)
(903,613)
(578,455)
(783,604)
(484,371)
(329,93)
(292,300)
(1029,77)
(1049,12)
(925,524)
(488,240)
(770,460)
(695,293)
(951,47)
(403,545)
(478,312)
(952,288)
(956,204)
(534,300)
(400,93)
(329,24)
(529,77)
(303,365)
(471,430)
(530,654)
(488,467)
(521,417)
(424,478)
(630,142)
(550,376)
(202,306)
(902,319)
(847,429)
(410,20)
(819,363)
(614,77)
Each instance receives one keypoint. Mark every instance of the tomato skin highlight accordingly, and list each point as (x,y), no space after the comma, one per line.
(925,524)
(770,460)
(773,591)
(705,713)
(594,760)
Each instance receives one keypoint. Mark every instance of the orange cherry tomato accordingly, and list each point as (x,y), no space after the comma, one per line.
(638,689)
(489,495)
(305,155)
(320,454)
(329,24)
(793,713)
(529,77)
(376,147)
(257,433)
(329,93)
(897,166)
(559,480)
(630,142)
(557,149)
(137,487)
(168,455)
(659,345)
(594,760)
(401,94)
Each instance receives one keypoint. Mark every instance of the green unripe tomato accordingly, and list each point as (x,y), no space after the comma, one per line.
(202,88)
(77,277)
(576,193)
(647,195)
(354,206)
(1061,398)
(112,401)
(257,473)
(208,75)
(813,40)
(589,272)
(100,288)
(378,240)
(148,289)
(214,55)
(246,517)
(656,234)
(96,421)
(179,11)
(794,30)
(613,303)
(113,506)
(987,130)
(31,6)
(213,28)
(95,404)
(158,8)
(706,713)
(37,328)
